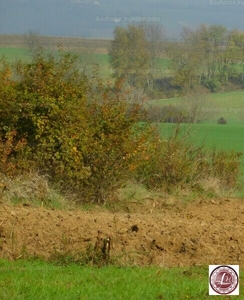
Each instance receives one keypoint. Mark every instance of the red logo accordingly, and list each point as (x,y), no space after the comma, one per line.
(224,280)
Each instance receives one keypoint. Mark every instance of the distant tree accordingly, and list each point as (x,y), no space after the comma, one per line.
(205,56)
(85,59)
(214,42)
(186,60)
(32,40)
(236,50)
(129,56)
(155,36)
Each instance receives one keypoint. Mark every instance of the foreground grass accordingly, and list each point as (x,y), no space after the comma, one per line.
(41,280)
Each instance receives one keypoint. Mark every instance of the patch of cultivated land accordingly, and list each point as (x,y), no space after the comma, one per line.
(164,233)
(20,41)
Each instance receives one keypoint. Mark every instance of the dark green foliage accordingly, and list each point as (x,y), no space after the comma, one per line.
(222,121)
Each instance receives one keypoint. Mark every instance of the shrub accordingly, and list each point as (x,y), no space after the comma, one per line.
(83,134)
(222,121)
(213,85)
(165,114)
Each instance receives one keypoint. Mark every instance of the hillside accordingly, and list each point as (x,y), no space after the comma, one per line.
(20,41)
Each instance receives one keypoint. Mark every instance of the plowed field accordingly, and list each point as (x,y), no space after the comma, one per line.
(201,232)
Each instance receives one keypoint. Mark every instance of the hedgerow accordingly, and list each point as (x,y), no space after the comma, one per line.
(86,135)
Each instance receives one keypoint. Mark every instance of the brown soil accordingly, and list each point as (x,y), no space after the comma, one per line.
(168,234)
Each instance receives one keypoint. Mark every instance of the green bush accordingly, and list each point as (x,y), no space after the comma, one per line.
(222,121)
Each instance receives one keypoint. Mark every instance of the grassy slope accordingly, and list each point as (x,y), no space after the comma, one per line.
(104,67)
(14,54)
(39,280)
(213,135)
(229,105)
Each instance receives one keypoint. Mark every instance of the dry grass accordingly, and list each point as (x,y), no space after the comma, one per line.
(29,188)
(214,187)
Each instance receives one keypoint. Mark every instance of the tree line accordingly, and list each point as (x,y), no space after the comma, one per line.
(208,57)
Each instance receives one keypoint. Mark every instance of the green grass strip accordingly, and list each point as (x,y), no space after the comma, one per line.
(41,280)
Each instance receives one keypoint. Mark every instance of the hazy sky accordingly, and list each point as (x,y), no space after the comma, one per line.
(98,18)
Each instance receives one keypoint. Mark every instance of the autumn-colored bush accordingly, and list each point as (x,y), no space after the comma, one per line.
(116,139)
(77,131)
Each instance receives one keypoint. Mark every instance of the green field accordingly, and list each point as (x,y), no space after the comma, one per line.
(227,137)
(40,280)
(14,54)
(229,105)
(104,67)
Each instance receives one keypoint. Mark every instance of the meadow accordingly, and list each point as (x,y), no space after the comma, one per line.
(229,105)
(36,279)
(14,54)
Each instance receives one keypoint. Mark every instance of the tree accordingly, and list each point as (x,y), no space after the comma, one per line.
(32,40)
(129,56)
(214,41)
(205,56)
(186,60)
(86,61)
(236,50)
(195,108)
(155,35)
